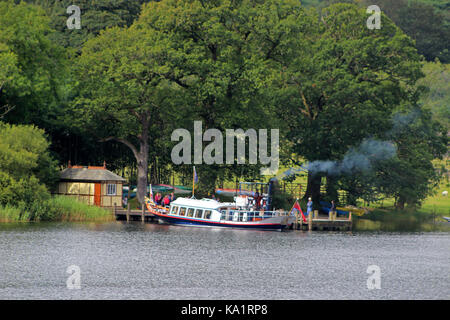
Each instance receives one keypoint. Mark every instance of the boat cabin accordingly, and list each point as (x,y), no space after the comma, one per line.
(212,210)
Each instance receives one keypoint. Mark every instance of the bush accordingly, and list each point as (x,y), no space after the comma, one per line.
(10,214)
(58,208)
(63,208)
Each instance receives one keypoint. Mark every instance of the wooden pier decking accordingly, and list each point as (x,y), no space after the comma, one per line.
(314,222)
(133,215)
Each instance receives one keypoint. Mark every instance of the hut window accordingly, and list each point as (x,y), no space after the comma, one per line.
(111,190)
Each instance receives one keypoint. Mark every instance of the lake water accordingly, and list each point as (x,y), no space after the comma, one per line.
(149,261)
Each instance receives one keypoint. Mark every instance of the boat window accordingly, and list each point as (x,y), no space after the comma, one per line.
(190,212)
(174,210)
(224,215)
(198,213)
(207,214)
(182,211)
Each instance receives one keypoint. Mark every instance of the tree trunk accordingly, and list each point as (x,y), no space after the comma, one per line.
(400,205)
(141,155)
(142,165)
(332,192)
(142,161)
(313,187)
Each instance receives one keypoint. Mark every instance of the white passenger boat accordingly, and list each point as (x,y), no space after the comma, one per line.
(212,213)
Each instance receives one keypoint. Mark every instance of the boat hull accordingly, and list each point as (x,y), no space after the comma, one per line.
(201,223)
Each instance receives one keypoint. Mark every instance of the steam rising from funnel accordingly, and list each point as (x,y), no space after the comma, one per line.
(356,159)
(361,158)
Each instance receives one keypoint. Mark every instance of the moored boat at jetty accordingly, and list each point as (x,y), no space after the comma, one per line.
(212,213)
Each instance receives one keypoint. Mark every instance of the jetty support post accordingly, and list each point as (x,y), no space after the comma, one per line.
(350,227)
(142,214)
(310,221)
(128,212)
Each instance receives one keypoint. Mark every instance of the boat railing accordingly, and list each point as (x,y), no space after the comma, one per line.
(247,215)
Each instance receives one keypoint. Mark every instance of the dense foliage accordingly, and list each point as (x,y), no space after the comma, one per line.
(137,70)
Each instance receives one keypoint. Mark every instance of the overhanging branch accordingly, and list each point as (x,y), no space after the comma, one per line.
(125,142)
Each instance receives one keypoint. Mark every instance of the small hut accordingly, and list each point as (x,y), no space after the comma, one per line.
(92,185)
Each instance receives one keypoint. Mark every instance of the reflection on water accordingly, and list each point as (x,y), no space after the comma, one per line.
(400,225)
(149,261)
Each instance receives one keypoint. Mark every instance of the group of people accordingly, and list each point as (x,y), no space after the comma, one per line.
(159,200)
(164,201)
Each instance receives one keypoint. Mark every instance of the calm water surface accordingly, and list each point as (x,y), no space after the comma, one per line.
(135,261)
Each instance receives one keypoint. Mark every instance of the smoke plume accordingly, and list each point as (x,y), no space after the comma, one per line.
(356,159)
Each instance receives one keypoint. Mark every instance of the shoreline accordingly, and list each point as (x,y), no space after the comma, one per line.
(55,209)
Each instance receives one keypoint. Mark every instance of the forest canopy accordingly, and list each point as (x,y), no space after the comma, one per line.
(117,88)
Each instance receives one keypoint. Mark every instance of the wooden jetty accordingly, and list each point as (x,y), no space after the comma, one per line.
(133,215)
(314,222)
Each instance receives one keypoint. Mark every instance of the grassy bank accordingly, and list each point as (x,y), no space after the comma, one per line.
(394,220)
(57,208)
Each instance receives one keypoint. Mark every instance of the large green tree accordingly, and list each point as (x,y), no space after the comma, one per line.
(226,60)
(345,85)
(124,95)
(409,176)
(215,61)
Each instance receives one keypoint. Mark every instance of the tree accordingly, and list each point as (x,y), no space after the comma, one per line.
(344,86)
(27,171)
(123,95)
(227,54)
(429,27)
(32,66)
(214,60)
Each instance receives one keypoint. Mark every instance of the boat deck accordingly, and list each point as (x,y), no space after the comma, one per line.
(317,222)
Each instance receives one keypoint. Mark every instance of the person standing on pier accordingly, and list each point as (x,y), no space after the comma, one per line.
(333,209)
(309,206)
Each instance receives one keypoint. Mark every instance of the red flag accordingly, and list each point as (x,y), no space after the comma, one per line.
(297,207)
